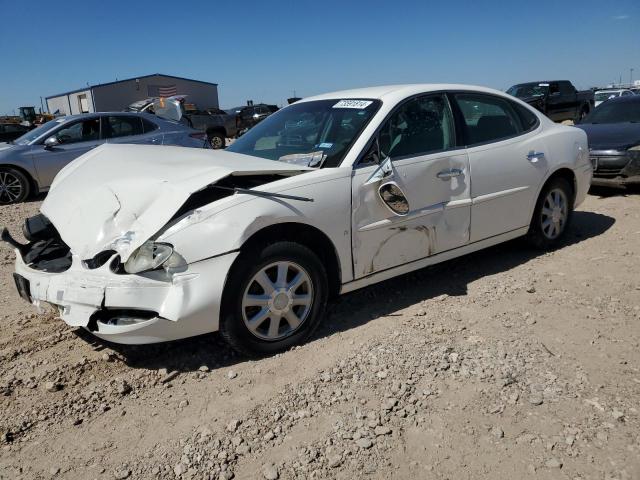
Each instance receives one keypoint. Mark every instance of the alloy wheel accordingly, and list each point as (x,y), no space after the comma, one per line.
(277,300)
(10,187)
(555,210)
(216,142)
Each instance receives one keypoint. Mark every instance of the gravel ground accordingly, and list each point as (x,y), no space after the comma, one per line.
(506,364)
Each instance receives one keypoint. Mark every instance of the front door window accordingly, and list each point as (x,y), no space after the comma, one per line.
(83,131)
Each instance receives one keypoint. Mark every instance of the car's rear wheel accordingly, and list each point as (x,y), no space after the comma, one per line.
(14,186)
(274,298)
(552,214)
(216,140)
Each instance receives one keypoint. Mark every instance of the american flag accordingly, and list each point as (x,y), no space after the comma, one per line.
(167,91)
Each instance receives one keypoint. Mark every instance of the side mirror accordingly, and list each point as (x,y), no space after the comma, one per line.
(384,170)
(51,142)
(394,198)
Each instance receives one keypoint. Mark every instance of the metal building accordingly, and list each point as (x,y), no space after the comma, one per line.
(118,95)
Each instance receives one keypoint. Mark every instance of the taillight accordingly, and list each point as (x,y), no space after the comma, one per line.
(198,135)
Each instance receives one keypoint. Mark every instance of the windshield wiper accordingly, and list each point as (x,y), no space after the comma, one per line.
(259,193)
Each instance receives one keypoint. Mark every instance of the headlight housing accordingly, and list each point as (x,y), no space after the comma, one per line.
(634,153)
(149,256)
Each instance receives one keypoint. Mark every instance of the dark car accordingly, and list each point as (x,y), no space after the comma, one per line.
(250,115)
(557,99)
(11,131)
(613,130)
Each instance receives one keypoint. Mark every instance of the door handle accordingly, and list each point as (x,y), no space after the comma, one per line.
(450,173)
(534,156)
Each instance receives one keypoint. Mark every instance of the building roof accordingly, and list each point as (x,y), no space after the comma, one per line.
(89,87)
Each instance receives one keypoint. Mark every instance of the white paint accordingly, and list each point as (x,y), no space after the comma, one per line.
(119,196)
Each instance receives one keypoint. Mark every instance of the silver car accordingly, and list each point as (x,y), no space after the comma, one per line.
(29,163)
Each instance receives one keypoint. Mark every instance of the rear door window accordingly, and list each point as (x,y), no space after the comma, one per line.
(488,118)
(123,126)
(148,125)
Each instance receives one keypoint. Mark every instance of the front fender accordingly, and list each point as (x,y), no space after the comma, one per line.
(209,231)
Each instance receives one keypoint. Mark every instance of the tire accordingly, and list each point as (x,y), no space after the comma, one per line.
(272,330)
(15,186)
(216,140)
(551,215)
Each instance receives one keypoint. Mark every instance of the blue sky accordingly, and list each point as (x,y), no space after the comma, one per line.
(263,50)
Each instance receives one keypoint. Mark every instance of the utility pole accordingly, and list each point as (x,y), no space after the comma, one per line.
(631,77)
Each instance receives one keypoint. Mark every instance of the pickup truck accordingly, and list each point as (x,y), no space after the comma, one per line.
(557,99)
(217,124)
(250,115)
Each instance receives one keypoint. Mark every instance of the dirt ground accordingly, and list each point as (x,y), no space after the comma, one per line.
(506,364)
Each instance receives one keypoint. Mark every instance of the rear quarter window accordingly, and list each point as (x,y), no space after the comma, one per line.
(488,118)
(529,119)
(148,126)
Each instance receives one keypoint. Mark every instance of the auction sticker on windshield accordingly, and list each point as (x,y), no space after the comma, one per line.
(359,104)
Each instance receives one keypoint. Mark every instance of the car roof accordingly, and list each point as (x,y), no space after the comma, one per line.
(396,92)
(605,90)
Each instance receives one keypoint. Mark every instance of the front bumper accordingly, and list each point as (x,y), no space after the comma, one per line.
(171,305)
(613,168)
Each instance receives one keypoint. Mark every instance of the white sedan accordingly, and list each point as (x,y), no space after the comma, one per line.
(144,244)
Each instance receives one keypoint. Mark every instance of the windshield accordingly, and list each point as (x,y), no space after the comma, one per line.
(314,134)
(615,112)
(602,96)
(37,132)
(528,90)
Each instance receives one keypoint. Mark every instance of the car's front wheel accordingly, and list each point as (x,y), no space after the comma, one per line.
(552,214)
(14,186)
(274,298)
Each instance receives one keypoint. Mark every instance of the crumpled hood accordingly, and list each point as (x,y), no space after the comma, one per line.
(611,136)
(117,196)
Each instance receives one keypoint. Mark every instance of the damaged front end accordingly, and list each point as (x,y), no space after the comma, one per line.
(109,250)
(100,295)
